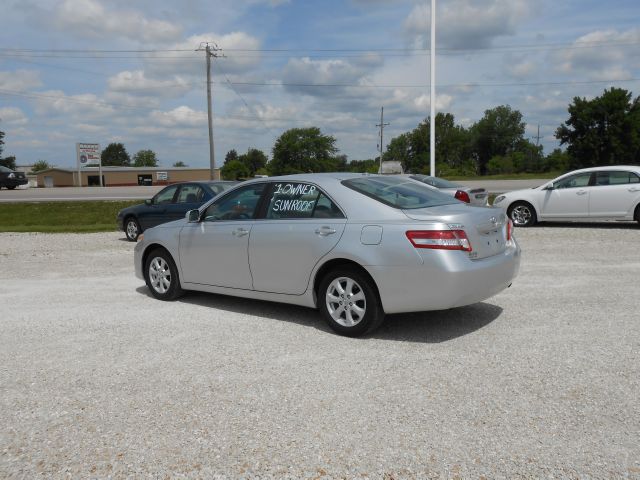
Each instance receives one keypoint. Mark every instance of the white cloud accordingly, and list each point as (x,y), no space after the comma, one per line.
(20,80)
(179,117)
(12,116)
(601,55)
(137,83)
(89,18)
(465,23)
(423,102)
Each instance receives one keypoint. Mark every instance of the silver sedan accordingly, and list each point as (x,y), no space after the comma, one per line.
(354,246)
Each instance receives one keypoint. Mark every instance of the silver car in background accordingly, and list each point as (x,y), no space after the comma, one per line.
(474,196)
(355,246)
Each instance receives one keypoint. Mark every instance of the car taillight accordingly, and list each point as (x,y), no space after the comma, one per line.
(462,196)
(440,239)
(509,229)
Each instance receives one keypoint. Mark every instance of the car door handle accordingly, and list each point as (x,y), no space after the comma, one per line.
(240,232)
(324,231)
(581,192)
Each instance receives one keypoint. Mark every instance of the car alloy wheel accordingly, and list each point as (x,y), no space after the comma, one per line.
(161,275)
(349,302)
(346,302)
(522,214)
(132,229)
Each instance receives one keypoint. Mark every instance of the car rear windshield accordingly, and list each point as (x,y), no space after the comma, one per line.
(4,169)
(399,192)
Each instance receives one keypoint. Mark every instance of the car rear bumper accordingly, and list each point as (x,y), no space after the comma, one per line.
(13,182)
(449,279)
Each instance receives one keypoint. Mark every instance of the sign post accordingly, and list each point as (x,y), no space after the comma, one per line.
(88,154)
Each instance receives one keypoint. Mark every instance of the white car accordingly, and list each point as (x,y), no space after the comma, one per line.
(598,193)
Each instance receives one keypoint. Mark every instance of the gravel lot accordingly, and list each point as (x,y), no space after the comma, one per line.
(98,379)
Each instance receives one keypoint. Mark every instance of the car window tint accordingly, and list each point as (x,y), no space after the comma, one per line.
(190,194)
(325,208)
(574,181)
(622,178)
(292,200)
(166,195)
(398,192)
(238,205)
(4,169)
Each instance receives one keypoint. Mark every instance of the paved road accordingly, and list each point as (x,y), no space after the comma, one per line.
(128,193)
(99,380)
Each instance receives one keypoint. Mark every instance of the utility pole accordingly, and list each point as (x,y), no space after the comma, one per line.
(381,125)
(209,53)
(432,130)
(538,137)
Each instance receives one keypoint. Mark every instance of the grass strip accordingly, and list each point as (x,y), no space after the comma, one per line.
(61,217)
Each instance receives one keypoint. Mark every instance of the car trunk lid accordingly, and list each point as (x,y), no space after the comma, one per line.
(486,228)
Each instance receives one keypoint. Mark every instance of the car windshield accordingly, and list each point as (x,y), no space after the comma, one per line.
(5,169)
(435,181)
(399,192)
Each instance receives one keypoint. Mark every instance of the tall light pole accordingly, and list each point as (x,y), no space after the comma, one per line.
(381,125)
(432,101)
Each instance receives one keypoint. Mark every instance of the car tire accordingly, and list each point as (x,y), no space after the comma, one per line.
(161,275)
(132,229)
(636,215)
(350,302)
(10,187)
(522,214)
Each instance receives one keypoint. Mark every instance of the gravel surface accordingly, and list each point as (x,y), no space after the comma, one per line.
(98,379)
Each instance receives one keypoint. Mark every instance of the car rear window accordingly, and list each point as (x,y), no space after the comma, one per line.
(398,192)
(435,181)
(4,169)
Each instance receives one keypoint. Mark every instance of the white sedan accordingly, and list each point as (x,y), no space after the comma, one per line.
(598,193)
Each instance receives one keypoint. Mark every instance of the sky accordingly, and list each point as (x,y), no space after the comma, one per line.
(98,71)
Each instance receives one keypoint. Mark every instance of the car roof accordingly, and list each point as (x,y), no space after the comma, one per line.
(607,168)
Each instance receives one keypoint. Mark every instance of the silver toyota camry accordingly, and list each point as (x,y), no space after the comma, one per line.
(354,246)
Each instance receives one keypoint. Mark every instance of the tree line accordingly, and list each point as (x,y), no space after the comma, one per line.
(602,131)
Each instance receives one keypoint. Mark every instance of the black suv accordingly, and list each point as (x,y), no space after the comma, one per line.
(11,179)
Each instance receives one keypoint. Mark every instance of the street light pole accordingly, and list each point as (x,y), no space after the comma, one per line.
(432,101)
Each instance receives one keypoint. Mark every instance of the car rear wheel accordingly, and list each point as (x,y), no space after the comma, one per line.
(132,229)
(522,214)
(637,214)
(349,302)
(161,275)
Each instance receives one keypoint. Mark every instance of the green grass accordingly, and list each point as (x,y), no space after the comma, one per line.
(515,176)
(61,217)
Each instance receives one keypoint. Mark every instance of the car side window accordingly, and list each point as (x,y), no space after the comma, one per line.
(574,181)
(165,196)
(190,194)
(240,204)
(622,178)
(300,200)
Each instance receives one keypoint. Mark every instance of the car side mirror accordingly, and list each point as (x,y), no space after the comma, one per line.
(148,201)
(549,187)
(193,216)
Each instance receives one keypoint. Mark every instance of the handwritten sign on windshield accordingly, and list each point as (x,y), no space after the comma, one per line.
(294,204)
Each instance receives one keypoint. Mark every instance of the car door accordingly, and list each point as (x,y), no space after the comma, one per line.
(614,194)
(301,224)
(190,196)
(155,212)
(213,251)
(569,197)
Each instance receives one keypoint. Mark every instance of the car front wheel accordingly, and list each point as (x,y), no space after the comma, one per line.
(161,275)
(132,229)
(349,302)
(522,214)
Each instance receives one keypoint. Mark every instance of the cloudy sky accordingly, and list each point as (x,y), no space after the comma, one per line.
(128,71)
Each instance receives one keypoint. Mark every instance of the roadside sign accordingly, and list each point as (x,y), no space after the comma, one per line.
(88,154)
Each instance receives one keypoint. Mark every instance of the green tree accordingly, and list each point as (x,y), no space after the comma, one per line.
(180,163)
(254,160)
(145,158)
(115,155)
(1,143)
(602,131)
(302,150)
(230,156)
(363,166)
(498,133)
(40,165)
(9,162)
(558,161)
(234,170)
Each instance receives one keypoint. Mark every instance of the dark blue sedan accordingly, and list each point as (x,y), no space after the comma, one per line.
(170,203)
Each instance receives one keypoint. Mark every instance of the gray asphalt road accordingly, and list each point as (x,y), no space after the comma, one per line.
(126,193)
(98,379)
